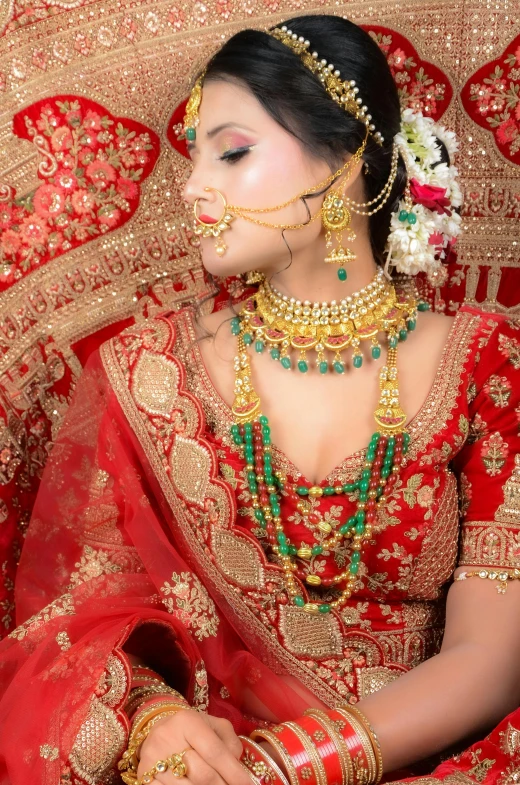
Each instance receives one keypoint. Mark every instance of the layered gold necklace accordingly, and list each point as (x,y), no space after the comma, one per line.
(271,319)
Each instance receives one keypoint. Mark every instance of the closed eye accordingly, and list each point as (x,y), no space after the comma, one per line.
(232,156)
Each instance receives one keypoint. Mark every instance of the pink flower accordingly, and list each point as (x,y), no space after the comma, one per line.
(517,54)
(92,121)
(127,187)
(49,201)
(127,159)
(507,131)
(436,239)
(101,173)
(430,196)
(34,231)
(83,201)
(397,60)
(110,215)
(61,139)
(10,242)
(66,180)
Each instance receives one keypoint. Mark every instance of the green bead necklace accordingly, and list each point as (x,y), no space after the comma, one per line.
(252,434)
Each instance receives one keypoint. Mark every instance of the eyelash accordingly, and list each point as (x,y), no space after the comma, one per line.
(233,156)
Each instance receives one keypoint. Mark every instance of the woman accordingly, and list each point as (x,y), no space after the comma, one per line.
(177,559)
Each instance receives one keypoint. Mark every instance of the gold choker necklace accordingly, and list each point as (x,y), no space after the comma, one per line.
(284,324)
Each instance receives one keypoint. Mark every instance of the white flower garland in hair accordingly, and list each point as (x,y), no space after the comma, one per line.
(425,224)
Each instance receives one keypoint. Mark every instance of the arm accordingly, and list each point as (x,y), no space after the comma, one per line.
(471,684)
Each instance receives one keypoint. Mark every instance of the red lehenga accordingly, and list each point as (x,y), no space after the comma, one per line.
(143,540)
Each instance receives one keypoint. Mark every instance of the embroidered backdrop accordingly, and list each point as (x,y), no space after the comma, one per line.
(92,232)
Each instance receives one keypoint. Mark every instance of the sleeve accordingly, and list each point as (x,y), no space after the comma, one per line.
(488,466)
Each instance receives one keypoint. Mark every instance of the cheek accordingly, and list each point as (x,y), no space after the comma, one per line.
(273,176)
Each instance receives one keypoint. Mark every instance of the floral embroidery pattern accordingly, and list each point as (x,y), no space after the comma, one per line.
(188,601)
(494,454)
(92,564)
(510,348)
(499,390)
(422,86)
(62,606)
(92,167)
(492,98)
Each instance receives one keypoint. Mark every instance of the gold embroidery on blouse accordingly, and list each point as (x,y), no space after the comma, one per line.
(510,740)
(485,543)
(437,558)
(154,384)
(481,767)
(305,634)
(509,510)
(494,452)
(190,465)
(187,599)
(371,680)
(238,559)
(498,388)
(510,348)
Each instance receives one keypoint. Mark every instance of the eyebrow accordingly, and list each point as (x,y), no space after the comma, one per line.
(214,131)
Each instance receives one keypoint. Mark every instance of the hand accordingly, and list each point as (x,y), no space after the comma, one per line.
(213,757)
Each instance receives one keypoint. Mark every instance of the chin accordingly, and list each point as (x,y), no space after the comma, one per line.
(223,266)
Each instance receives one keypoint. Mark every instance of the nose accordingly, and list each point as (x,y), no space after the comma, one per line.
(195,189)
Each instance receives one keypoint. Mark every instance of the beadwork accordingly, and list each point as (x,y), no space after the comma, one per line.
(251,432)
(284,324)
(344,93)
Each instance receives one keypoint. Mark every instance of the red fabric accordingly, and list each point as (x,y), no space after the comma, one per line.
(102,538)
(491,97)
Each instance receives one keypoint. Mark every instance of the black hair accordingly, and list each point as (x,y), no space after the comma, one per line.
(296,99)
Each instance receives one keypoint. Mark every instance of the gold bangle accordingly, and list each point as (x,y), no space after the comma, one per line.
(140,694)
(372,735)
(365,743)
(144,716)
(264,756)
(312,753)
(130,759)
(339,742)
(500,576)
(273,740)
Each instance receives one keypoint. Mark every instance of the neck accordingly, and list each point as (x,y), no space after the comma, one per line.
(309,279)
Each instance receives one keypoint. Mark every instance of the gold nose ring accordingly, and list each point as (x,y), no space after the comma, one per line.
(222,217)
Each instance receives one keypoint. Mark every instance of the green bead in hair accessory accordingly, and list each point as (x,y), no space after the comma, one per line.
(191,117)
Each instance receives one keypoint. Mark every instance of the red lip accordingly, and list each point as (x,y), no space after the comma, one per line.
(207,219)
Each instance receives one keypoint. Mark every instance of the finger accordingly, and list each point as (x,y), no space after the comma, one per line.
(198,772)
(215,753)
(225,731)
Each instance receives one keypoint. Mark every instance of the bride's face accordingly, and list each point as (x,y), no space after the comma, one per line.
(243,152)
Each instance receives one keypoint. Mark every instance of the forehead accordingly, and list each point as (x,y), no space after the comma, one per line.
(226,102)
